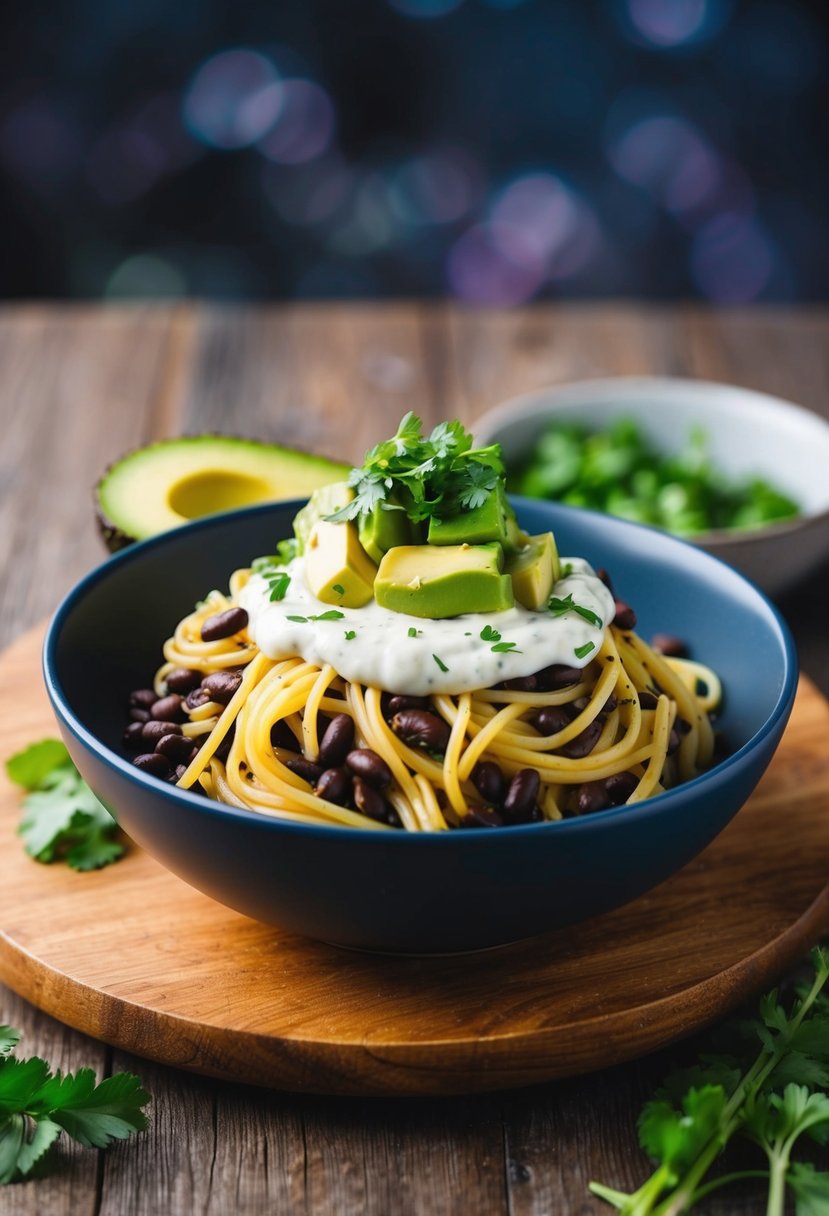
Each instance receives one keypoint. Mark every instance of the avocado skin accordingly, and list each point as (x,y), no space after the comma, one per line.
(117,536)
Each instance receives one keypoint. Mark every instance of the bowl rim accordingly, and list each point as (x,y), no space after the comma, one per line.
(649,807)
(575,392)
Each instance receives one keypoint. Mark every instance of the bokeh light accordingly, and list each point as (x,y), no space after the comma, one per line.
(491,264)
(669,158)
(665,24)
(732,259)
(146,275)
(234,99)
(304,127)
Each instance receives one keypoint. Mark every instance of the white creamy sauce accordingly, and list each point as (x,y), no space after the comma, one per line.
(382,652)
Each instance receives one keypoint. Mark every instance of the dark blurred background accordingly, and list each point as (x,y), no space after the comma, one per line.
(494,150)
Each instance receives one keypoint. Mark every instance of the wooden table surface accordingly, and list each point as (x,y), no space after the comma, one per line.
(78,387)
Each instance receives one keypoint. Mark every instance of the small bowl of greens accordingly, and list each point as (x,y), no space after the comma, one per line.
(741,474)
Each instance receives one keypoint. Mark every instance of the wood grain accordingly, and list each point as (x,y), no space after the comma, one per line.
(135,957)
(108,377)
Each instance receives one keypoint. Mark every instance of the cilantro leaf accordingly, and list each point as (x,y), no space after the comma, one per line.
(488,634)
(9,1038)
(440,662)
(505,648)
(62,818)
(298,620)
(810,1189)
(35,763)
(333,614)
(350,635)
(278,586)
(36,1105)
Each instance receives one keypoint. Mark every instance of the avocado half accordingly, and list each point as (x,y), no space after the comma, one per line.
(165,484)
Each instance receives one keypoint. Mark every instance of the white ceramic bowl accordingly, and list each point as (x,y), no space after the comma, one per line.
(748,434)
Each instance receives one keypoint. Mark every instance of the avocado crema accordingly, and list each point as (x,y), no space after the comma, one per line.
(414,576)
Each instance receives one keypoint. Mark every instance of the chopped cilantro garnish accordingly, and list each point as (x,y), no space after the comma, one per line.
(339,588)
(505,648)
(436,475)
(333,614)
(440,663)
(413,632)
(581,651)
(560,607)
(488,634)
(300,620)
(278,585)
(350,635)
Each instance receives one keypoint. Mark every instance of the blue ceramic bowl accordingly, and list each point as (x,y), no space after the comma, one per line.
(397,891)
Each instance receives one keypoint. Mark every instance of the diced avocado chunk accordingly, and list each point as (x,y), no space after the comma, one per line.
(443,581)
(381,530)
(337,568)
(324,501)
(534,570)
(482,524)
(516,538)
(175,480)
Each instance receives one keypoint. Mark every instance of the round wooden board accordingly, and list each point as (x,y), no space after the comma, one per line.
(133,956)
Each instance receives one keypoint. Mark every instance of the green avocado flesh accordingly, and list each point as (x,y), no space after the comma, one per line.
(443,581)
(171,482)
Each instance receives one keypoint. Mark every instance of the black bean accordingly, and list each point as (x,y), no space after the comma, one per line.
(520,801)
(334,786)
(667,644)
(682,726)
(143,698)
(604,577)
(167,709)
(625,617)
(337,741)
(181,769)
(609,705)
(139,715)
(183,680)
(592,796)
(481,817)
(420,728)
(283,736)
(153,730)
(489,781)
(369,802)
(224,624)
(305,769)
(153,762)
(365,763)
(221,685)
(583,743)
(177,748)
(620,786)
(196,698)
(557,676)
(551,719)
(133,735)
(520,684)
(647,700)
(398,703)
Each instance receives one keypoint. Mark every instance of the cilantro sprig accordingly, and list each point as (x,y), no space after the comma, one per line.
(36,1105)
(435,475)
(768,1088)
(272,568)
(62,819)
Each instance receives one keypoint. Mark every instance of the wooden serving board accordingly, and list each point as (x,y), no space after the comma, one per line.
(132,955)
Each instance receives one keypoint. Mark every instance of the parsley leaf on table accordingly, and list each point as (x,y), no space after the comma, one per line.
(62,819)
(36,1105)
